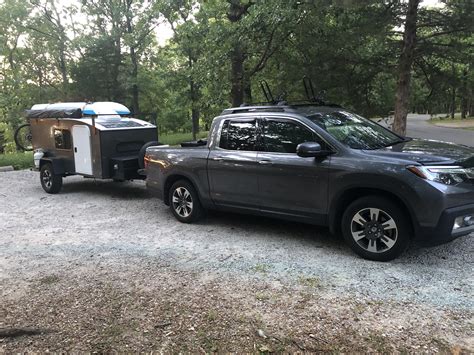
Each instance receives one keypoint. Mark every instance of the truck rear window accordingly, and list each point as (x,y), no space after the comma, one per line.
(238,135)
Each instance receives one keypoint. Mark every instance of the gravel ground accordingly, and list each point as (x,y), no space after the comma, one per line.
(103,266)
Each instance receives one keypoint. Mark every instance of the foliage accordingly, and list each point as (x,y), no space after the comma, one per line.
(107,50)
(19,160)
(177,138)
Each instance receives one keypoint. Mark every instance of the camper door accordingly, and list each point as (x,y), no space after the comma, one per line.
(81,136)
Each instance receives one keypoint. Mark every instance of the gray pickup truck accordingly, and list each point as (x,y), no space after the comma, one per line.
(324,165)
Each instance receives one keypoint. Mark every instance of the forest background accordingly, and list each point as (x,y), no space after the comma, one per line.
(185,61)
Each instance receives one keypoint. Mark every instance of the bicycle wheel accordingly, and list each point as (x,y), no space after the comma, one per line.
(23,137)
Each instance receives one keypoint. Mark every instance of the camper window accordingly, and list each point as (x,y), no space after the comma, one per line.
(62,139)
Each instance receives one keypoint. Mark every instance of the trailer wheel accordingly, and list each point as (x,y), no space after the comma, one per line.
(50,182)
(141,154)
(23,137)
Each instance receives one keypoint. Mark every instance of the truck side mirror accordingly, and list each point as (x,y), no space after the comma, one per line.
(310,149)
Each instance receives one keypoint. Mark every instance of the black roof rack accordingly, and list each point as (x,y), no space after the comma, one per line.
(279,107)
(280,104)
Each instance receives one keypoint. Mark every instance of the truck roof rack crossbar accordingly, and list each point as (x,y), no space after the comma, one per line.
(281,107)
(268,108)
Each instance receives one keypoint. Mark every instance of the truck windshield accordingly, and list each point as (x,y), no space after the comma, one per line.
(353,130)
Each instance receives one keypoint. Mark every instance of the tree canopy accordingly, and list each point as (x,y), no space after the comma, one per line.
(354,51)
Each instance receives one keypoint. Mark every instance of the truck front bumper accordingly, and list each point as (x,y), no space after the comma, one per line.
(453,223)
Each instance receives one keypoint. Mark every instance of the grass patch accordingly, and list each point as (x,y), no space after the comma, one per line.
(262,296)
(49,280)
(177,138)
(261,268)
(20,160)
(312,282)
(457,118)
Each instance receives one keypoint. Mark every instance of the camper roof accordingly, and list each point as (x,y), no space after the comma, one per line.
(87,108)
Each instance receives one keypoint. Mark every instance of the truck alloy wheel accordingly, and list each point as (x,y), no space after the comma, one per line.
(376,228)
(184,202)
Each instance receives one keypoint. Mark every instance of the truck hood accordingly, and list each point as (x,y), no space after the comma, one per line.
(430,152)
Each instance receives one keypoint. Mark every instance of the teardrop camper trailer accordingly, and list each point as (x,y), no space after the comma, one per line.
(97,140)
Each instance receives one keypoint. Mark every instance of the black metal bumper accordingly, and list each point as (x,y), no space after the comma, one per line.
(443,232)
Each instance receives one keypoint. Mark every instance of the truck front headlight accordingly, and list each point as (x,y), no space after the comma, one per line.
(448,175)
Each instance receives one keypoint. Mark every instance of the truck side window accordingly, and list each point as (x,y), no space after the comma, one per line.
(238,135)
(62,139)
(283,136)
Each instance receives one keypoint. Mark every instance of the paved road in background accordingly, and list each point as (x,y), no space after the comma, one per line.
(418,127)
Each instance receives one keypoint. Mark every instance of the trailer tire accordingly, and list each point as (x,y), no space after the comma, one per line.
(141,154)
(50,182)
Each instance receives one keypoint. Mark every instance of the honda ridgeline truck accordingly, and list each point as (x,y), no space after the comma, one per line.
(324,165)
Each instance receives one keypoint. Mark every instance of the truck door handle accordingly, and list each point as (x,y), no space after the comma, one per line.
(265,162)
(218,158)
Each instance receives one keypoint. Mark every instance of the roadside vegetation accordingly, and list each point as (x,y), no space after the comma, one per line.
(24,160)
(19,160)
(217,53)
(177,138)
(456,122)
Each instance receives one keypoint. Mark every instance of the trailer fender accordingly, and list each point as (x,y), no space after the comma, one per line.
(58,165)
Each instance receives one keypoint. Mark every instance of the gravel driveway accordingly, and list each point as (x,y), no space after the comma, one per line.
(103,266)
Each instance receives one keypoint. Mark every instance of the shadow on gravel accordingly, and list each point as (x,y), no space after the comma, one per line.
(313,236)
(276,228)
(18,332)
(126,190)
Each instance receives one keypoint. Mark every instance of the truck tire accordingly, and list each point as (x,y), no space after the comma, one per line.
(50,182)
(184,202)
(376,228)
(141,153)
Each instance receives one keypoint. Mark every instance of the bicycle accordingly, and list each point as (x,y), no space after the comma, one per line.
(23,137)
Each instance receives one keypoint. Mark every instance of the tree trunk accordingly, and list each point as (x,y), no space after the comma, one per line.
(464,94)
(116,92)
(135,103)
(248,90)
(235,13)
(194,96)
(133,59)
(237,76)
(63,70)
(404,69)
(453,102)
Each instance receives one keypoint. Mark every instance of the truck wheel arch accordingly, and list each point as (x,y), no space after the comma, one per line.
(337,208)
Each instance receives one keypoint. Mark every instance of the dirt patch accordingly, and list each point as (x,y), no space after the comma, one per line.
(153,307)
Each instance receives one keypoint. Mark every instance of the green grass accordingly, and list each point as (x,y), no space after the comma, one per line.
(457,118)
(20,160)
(177,138)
